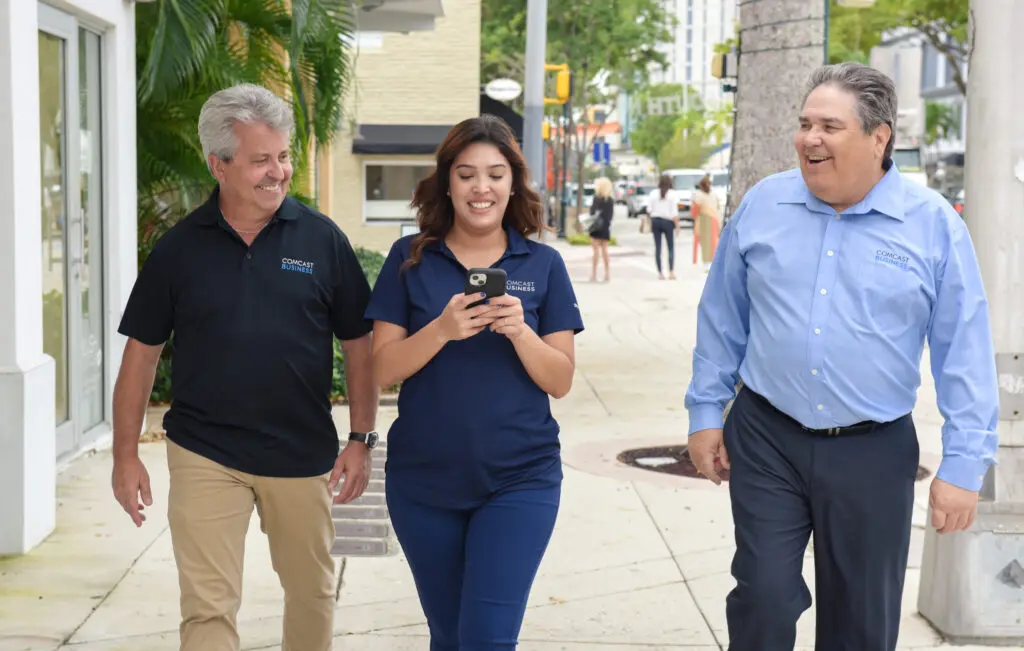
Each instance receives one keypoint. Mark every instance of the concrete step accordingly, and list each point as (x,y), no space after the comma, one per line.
(356,512)
(362,529)
(369,499)
(364,547)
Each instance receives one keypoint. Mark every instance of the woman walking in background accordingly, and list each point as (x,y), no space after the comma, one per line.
(707,220)
(603,210)
(663,207)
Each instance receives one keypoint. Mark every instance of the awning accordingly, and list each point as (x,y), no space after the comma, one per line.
(399,138)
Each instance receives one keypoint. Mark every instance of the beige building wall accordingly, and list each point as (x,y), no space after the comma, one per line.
(420,78)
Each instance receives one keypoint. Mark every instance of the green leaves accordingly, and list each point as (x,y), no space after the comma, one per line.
(188,49)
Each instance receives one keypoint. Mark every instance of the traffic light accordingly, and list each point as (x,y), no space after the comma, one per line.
(718,66)
(723,66)
(563,85)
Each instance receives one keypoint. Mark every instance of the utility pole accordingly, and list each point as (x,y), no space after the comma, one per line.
(533,91)
(972,582)
(781,43)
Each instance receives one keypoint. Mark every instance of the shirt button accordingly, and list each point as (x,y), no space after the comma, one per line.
(824,291)
(831,253)
(837,216)
(814,371)
(820,407)
(248,256)
(817,331)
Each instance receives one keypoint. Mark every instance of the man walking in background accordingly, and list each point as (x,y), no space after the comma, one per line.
(254,286)
(827,283)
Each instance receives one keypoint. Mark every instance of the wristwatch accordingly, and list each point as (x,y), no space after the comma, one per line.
(369,438)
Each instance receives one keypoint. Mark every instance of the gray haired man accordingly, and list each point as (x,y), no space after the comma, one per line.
(827,283)
(253,285)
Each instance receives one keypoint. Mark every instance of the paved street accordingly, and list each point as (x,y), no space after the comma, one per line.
(639,560)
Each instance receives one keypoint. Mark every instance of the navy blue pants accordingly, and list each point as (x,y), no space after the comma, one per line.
(855,492)
(474,568)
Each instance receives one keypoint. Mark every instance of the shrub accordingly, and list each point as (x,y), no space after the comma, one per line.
(582,239)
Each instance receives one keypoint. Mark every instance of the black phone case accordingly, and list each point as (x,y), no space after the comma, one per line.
(489,281)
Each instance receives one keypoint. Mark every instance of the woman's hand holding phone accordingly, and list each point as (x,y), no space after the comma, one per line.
(507,317)
(457,322)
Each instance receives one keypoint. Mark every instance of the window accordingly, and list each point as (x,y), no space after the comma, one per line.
(388,190)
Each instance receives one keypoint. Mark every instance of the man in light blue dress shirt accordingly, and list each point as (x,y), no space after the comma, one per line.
(828,281)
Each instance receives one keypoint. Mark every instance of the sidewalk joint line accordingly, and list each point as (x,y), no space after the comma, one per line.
(679,567)
(67,640)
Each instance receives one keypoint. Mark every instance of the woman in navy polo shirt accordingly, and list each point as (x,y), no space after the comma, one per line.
(474,471)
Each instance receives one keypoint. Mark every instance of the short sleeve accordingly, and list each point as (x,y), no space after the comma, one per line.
(149,315)
(559,310)
(390,299)
(351,293)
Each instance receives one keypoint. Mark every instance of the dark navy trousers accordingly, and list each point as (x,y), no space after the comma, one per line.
(474,568)
(854,492)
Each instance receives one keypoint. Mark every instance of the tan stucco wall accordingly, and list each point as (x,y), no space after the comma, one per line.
(416,78)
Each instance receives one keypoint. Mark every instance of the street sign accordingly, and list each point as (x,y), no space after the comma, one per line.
(503,89)
(602,153)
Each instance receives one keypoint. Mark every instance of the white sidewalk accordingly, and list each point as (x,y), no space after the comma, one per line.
(639,559)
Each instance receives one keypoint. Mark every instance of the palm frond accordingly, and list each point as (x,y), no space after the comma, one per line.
(182,33)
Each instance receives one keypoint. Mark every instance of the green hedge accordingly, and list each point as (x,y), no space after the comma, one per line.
(371,262)
(582,239)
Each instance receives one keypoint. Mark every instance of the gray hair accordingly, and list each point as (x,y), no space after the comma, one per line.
(246,103)
(875,93)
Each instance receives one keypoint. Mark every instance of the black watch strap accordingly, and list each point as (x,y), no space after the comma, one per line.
(369,438)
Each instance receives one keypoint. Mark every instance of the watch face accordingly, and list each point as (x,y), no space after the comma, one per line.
(371,440)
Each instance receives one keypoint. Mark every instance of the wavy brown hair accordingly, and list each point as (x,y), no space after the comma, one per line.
(435,213)
(664,184)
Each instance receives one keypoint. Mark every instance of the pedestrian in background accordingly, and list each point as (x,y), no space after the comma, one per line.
(663,207)
(474,469)
(707,219)
(829,281)
(602,210)
(254,286)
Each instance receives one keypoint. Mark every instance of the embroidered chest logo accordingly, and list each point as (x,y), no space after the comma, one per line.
(520,286)
(300,266)
(893,259)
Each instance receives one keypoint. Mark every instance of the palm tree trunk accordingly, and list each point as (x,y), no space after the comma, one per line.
(782,43)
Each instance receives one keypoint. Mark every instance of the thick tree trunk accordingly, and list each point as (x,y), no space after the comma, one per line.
(781,43)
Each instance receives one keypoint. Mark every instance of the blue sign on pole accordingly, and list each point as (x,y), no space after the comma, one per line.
(597,152)
(607,153)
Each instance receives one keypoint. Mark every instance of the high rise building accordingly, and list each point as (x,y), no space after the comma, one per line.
(701,25)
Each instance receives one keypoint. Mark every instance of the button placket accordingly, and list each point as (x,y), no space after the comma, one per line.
(824,282)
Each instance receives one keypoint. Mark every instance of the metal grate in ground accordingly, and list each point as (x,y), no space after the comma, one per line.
(363,526)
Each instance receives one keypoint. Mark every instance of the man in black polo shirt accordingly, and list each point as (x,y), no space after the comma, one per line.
(254,286)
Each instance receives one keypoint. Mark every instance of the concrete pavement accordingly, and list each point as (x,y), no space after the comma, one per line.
(639,560)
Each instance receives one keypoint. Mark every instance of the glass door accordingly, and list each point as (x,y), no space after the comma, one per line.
(71,200)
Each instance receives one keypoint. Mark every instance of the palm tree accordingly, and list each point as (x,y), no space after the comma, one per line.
(188,49)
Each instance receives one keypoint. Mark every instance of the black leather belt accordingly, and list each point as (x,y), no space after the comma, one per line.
(863,427)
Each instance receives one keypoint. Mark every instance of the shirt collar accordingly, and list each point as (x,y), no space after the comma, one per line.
(209,212)
(886,197)
(517,245)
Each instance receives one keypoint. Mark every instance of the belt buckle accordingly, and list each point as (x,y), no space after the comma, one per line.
(834,431)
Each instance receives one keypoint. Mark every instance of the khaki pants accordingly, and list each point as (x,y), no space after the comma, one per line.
(209,509)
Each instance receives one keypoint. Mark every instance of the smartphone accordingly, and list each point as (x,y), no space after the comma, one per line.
(489,281)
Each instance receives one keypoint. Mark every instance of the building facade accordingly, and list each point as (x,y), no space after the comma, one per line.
(67,241)
(408,91)
(68,228)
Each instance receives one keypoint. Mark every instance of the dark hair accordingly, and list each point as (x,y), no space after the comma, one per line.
(874,91)
(664,184)
(705,183)
(435,214)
